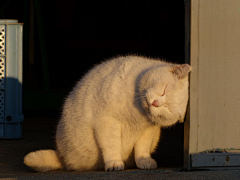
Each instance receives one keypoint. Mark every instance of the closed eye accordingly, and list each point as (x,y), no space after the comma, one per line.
(164,91)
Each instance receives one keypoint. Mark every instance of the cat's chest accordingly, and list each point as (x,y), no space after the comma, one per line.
(130,134)
(132,130)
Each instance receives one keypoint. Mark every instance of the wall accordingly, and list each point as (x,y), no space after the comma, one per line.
(214,116)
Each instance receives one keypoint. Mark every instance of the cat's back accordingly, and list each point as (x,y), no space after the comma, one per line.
(110,82)
(114,74)
(123,66)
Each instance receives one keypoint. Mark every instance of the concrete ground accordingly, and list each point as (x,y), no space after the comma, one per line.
(38,133)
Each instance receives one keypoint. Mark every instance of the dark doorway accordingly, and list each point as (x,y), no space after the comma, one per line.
(64,39)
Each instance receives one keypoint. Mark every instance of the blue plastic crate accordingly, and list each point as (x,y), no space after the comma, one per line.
(11,116)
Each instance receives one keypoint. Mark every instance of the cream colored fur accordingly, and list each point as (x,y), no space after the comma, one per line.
(112,118)
(44,160)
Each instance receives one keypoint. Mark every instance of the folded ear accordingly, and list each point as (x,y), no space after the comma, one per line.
(181,71)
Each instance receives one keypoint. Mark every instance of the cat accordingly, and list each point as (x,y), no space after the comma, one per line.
(113,116)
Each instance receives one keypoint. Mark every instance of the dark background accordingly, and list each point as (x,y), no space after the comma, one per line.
(63,39)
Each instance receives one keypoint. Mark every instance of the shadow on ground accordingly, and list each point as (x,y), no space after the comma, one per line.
(38,133)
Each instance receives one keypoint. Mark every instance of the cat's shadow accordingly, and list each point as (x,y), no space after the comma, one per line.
(169,152)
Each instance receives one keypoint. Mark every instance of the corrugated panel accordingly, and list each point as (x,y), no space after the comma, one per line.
(10,79)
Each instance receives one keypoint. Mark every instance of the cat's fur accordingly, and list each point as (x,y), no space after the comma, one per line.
(112,118)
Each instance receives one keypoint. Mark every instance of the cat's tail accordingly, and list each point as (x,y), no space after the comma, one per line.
(43,160)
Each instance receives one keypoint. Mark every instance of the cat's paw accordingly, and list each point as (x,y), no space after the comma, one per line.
(146,163)
(114,166)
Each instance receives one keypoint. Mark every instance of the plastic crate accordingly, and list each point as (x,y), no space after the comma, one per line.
(11,116)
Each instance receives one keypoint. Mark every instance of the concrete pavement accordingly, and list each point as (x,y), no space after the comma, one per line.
(38,133)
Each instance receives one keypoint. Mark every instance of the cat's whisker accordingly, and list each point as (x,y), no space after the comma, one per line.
(139,95)
(149,117)
(139,98)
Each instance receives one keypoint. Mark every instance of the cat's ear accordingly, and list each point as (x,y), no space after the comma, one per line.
(181,71)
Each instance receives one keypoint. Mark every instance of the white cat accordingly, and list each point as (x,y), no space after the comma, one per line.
(112,118)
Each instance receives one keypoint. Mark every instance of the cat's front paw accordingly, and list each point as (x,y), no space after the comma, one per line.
(114,166)
(146,163)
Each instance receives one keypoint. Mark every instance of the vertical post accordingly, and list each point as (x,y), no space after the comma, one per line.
(186,158)
(191,56)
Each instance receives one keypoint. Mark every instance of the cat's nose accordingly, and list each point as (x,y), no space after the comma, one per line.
(155,103)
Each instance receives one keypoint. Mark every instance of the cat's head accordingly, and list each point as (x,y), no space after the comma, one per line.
(164,93)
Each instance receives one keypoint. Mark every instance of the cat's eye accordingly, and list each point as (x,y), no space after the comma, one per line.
(164,91)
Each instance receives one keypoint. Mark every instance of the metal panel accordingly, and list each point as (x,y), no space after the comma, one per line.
(2,39)
(204,160)
(214,83)
(2,77)
(11,116)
